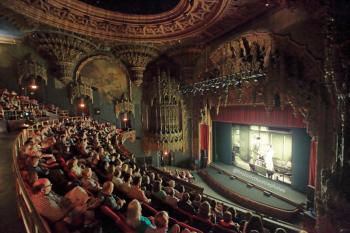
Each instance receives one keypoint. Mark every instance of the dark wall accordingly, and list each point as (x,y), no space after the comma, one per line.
(300,159)
(222,144)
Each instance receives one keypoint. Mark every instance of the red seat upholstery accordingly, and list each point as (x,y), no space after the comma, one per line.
(148,210)
(202,224)
(222,229)
(184,225)
(117,218)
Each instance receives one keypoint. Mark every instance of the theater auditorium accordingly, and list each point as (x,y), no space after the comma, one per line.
(174,116)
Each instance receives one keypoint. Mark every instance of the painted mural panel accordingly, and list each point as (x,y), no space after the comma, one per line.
(110,77)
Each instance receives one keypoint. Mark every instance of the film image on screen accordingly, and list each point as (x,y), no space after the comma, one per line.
(266,151)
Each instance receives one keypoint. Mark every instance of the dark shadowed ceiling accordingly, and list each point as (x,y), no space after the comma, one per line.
(139,7)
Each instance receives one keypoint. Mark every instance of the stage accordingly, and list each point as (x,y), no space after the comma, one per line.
(254,191)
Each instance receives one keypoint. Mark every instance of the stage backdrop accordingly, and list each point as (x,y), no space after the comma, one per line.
(222,138)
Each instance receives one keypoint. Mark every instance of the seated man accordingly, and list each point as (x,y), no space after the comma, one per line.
(107,198)
(171,199)
(185,204)
(47,203)
(136,192)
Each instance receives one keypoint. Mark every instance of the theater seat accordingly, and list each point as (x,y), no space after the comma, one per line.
(220,229)
(181,215)
(148,210)
(202,224)
(117,218)
(192,229)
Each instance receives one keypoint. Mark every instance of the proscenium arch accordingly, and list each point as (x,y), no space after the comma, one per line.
(307,91)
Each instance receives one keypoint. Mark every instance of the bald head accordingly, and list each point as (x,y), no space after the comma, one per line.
(42,185)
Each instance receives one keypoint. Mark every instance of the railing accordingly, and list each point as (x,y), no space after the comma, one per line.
(32,221)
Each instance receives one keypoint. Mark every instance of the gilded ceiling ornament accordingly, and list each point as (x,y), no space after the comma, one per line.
(189,19)
(63,49)
(137,57)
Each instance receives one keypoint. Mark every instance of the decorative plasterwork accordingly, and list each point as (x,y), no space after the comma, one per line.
(29,68)
(293,74)
(80,89)
(187,58)
(123,105)
(137,57)
(187,19)
(65,50)
(164,114)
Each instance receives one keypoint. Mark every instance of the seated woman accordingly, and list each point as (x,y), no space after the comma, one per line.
(205,212)
(228,222)
(161,222)
(108,198)
(126,186)
(135,219)
(254,223)
(88,182)
(215,210)
(74,167)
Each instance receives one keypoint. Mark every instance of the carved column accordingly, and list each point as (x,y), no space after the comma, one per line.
(63,50)
(137,58)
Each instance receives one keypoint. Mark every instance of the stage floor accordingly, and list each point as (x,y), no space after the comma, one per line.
(278,188)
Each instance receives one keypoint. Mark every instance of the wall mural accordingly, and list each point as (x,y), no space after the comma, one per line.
(108,76)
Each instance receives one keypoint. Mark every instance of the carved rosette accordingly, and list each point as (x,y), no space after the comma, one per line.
(137,58)
(63,49)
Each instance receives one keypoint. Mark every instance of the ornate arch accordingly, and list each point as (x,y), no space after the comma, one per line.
(92,57)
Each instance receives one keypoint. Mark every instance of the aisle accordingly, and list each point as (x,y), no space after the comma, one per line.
(9,218)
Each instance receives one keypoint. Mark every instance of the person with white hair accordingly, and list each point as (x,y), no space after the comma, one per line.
(135,219)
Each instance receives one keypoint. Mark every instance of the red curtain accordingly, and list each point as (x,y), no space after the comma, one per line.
(204,136)
(313,163)
(259,116)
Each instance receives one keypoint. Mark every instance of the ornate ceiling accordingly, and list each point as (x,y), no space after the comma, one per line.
(140,7)
(196,20)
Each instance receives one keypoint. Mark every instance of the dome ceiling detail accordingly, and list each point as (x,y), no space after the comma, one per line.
(194,19)
(139,7)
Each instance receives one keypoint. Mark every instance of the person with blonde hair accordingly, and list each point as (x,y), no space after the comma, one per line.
(107,197)
(135,219)
(161,222)
(88,182)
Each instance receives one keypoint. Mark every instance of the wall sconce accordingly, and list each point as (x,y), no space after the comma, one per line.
(82,103)
(32,84)
(125,117)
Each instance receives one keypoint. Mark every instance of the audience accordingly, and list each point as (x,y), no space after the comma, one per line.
(87,152)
